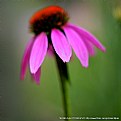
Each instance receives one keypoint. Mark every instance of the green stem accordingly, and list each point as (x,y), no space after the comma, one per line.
(64,79)
(65,92)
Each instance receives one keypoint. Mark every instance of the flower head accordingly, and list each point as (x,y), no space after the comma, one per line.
(48,18)
(54,33)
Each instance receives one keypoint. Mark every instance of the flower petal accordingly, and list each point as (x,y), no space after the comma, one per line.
(50,51)
(78,45)
(37,75)
(61,45)
(25,58)
(88,36)
(89,46)
(38,52)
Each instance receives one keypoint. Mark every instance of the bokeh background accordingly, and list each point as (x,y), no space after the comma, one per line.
(94,92)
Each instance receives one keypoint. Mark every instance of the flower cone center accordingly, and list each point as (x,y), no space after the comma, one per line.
(48,18)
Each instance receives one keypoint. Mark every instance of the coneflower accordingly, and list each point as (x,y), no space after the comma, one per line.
(52,31)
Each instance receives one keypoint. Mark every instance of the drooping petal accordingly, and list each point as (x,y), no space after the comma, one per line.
(25,58)
(90,47)
(88,36)
(61,45)
(50,51)
(78,45)
(38,52)
(37,75)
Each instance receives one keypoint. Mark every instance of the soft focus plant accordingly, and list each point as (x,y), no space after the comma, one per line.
(54,34)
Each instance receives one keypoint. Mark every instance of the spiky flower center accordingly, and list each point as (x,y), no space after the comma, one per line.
(48,18)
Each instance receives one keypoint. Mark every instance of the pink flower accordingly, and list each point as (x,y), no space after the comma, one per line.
(53,33)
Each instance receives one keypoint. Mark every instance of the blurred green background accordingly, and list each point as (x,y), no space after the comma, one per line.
(94,92)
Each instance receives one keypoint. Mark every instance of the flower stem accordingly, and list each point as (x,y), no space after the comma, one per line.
(64,79)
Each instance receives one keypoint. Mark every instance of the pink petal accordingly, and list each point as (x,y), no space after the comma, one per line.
(89,46)
(78,45)
(25,58)
(50,51)
(61,45)
(36,76)
(88,36)
(38,52)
